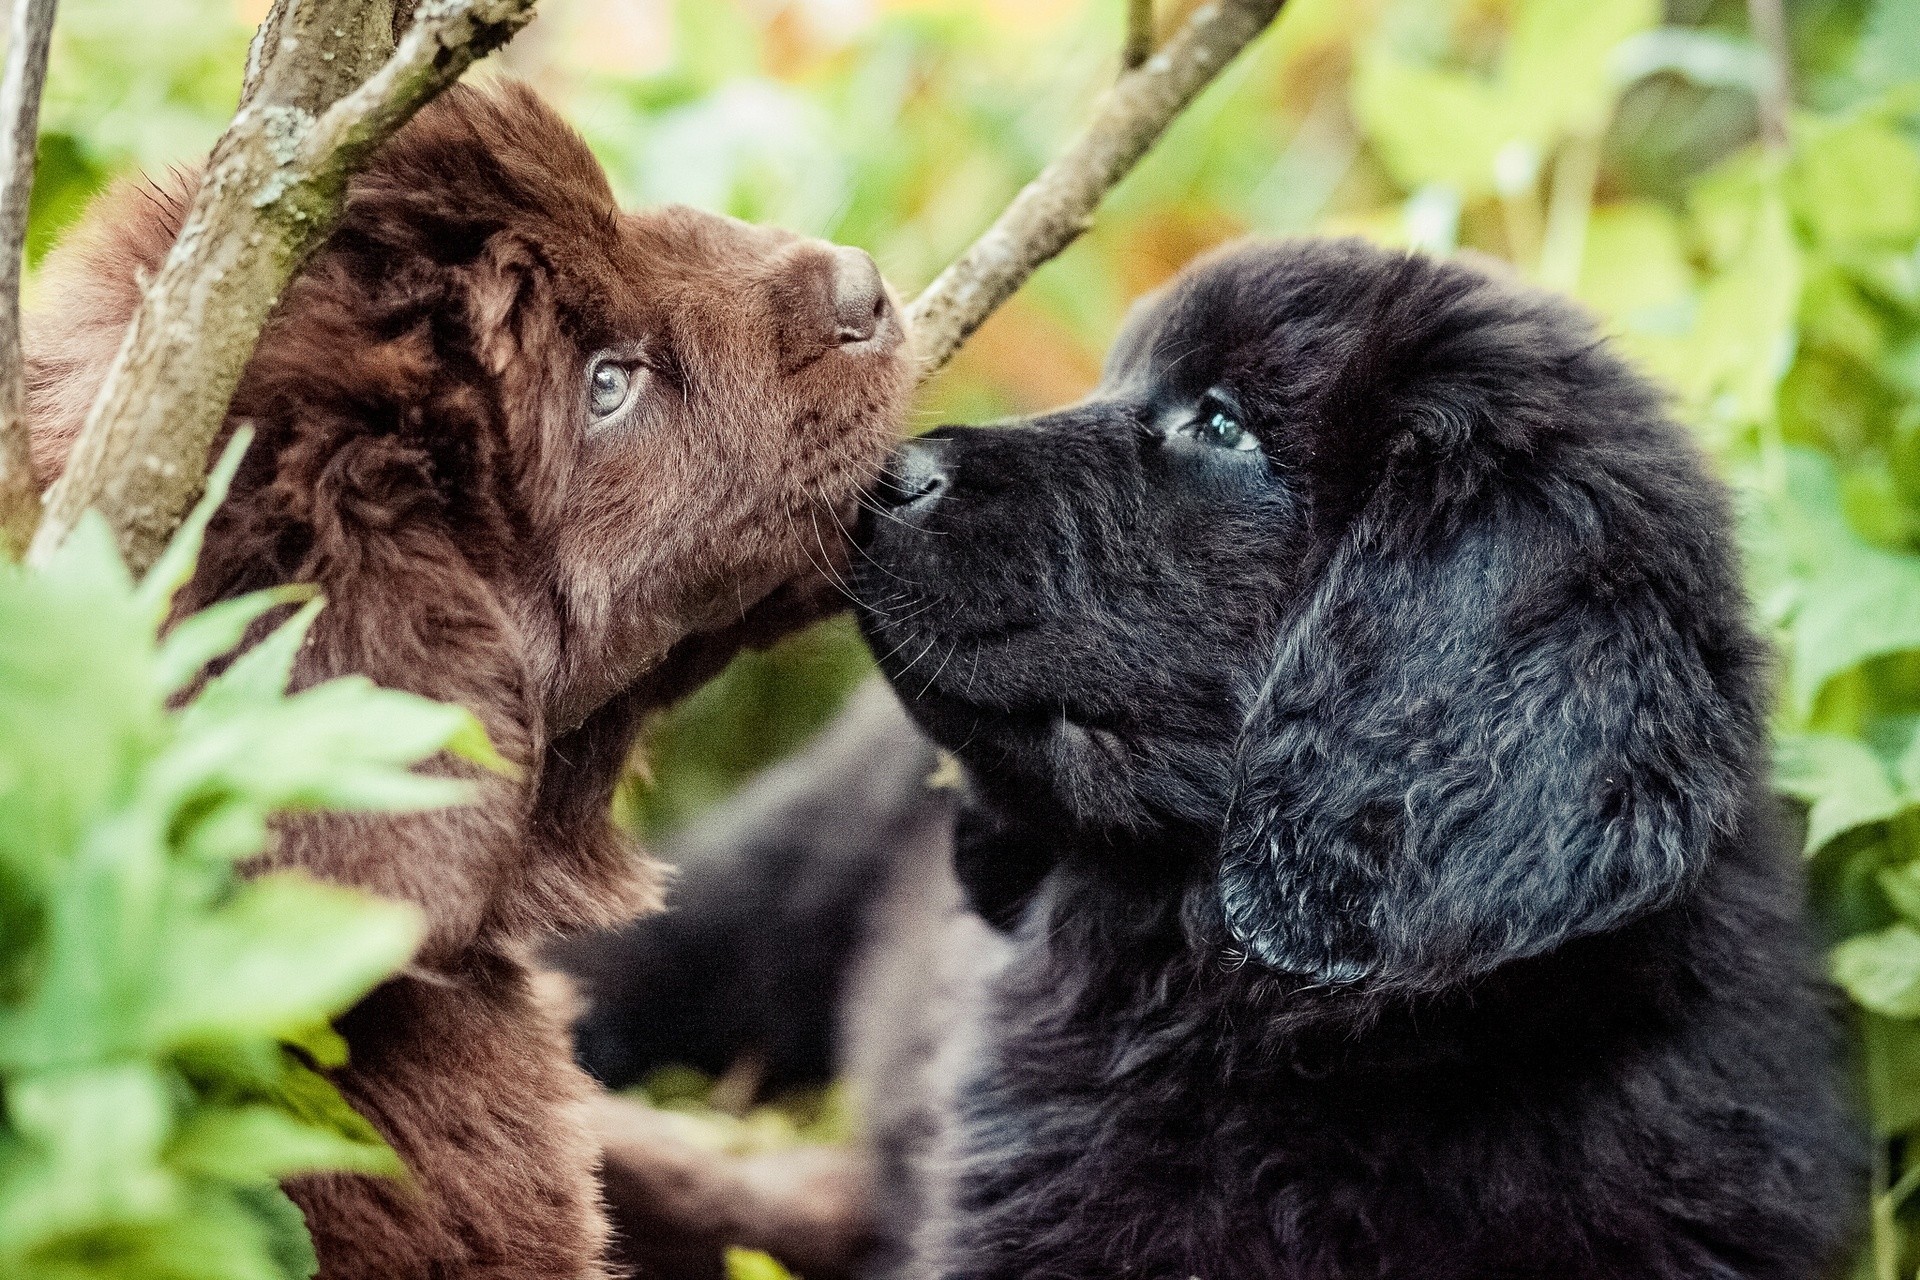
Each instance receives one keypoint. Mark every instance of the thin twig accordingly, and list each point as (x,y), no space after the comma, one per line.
(1053,210)
(1139,45)
(26,77)
(272,191)
(1769,22)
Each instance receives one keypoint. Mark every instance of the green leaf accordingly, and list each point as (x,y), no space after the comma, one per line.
(1882,970)
(751,1264)
(89,561)
(261,672)
(1559,75)
(1843,782)
(1889,51)
(283,1230)
(344,744)
(1634,268)
(256,1144)
(1856,183)
(1431,126)
(1902,886)
(238,1074)
(1743,337)
(1892,1054)
(284,951)
(206,635)
(89,1157)
(1856,601)
(320,1042)
(470,742)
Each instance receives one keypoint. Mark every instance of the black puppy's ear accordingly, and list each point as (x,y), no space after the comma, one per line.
(1482,738)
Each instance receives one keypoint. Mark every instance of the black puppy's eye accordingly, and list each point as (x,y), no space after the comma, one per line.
(1216,423)
(610,384)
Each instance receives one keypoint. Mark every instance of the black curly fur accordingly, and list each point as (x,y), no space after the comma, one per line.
(1379,816)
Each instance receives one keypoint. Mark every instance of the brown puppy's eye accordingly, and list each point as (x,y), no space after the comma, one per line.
(610,385)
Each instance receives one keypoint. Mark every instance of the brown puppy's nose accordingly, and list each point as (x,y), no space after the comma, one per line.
(859,296)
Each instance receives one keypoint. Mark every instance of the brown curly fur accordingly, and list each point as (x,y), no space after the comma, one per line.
(423,453)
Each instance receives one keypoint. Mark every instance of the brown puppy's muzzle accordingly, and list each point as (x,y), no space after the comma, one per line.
(832,298)
(862,310)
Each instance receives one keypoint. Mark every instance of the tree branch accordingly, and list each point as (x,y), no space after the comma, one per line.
(1053,210)
(359,36)
(272,191)
(26,77)
(1768,19)
(1139,44)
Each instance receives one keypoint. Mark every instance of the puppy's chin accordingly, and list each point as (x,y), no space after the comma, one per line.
(1079,774)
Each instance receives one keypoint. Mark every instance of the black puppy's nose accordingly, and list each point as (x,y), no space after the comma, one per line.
(913,478)
(859,296)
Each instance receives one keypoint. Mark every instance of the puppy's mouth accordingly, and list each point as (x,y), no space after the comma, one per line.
(946,682)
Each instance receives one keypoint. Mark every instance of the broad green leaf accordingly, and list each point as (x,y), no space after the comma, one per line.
(283,951)
(1431,126)
(110,905)
(1882,970)
(283,1229)
(243,1074)
(1634,269)
(263,670)
(1742,338)
(1892,1072)
(751,1264)
(344,744)
(1855,601)
(1844,784)
(1559,75)
(218,1233)
(88,560)
(320,1042)
(1902,886)
(1856,182)
(90,1155)
(470,742)
(1889,51)
(256,1144)
(206,635)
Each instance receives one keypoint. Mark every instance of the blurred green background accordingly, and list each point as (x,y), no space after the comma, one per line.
(1610,148)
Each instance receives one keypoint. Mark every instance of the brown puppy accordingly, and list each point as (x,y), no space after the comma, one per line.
(550,461)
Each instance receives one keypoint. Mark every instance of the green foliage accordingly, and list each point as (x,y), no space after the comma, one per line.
(131,85)
(751,1264)
(164,1021)
(1604,147)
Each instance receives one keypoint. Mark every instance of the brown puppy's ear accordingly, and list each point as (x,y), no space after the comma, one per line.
(507,303)
(1465,753)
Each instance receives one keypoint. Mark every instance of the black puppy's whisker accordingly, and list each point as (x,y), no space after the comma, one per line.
(935,677)
(925,650)
(881,659)
(974,673)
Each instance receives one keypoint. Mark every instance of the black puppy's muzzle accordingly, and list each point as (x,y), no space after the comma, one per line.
(914,479)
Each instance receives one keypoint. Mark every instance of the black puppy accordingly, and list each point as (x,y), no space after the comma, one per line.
(1368,761)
